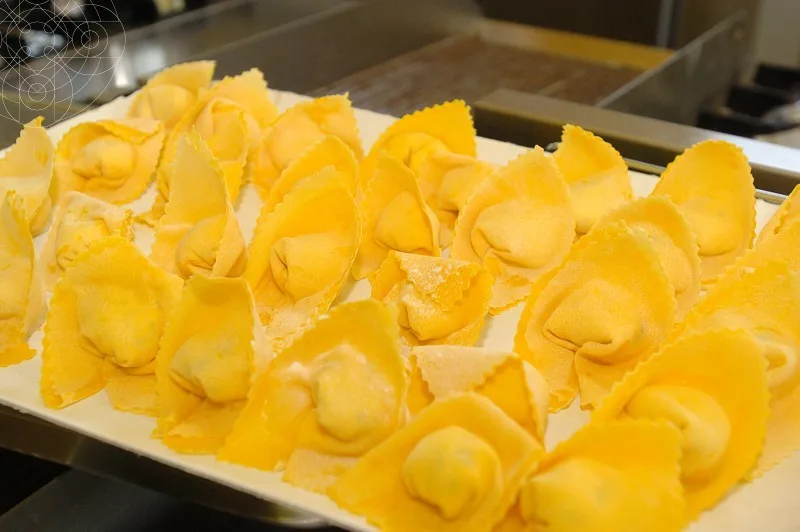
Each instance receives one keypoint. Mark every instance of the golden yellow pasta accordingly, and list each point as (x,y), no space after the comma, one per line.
(27,169)
(103,328)
(596,174)
(619,475)
(712,385)
(394,217)
(298,129)
(80,220)
(674,240)
(112,160)
(603,312)
(439,371)
(781,246)
(301,254)
(199,233)
(456,466)
(764,302)
(213,348)
(330,151)
(330,397)
(447,180)
(712,184)
(416,136)
(171,93)
(22,302)
(230,117)
(788,211)
(439,301)
(518,224)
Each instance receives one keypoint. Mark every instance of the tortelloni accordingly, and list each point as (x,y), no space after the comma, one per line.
(103,328)
(301,254)
(199,233)
(763,302)
(518,224)
(334,394)
(330,151)
(788,212)
(596,318)
(673,239)
(781,246)
(171,93)
(456,466)
(439,301)
(596,174)
(447,180)
(112,160)
(439,371)
(712,184)
(22,302)
(620,475)
(81,220)
(213,348)
(230,117)
(712,386)
(394,217)
(298,129)
(27,169)
(415,137)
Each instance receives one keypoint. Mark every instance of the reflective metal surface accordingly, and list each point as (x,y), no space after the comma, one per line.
(318,50)
(692,78)
(528,120)
(79,502)
(28,435)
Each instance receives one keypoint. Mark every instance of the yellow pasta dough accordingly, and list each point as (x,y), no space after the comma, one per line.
(447,180)
(22,303)
(330,151)
(230,117)
(212,350)
(764,302)
(171,93)
(712,385)
(596,174)
(415,137)
(112,160)
(394,217)
(619,475)
(780,246)
(27,169)
(298,129)
(788,212)
(199,233)
(103,328)
(674,240)
(712,184)
(439,371)
(456,466)
(301,254)
(332,395)
(80,220)
(518,224)
(439,301)
(603,312)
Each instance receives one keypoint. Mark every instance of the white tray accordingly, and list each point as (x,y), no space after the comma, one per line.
(767,505)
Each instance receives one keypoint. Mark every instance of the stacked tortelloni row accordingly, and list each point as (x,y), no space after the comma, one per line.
(384,404)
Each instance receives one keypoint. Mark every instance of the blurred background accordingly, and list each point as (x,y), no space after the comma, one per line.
(650,76)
